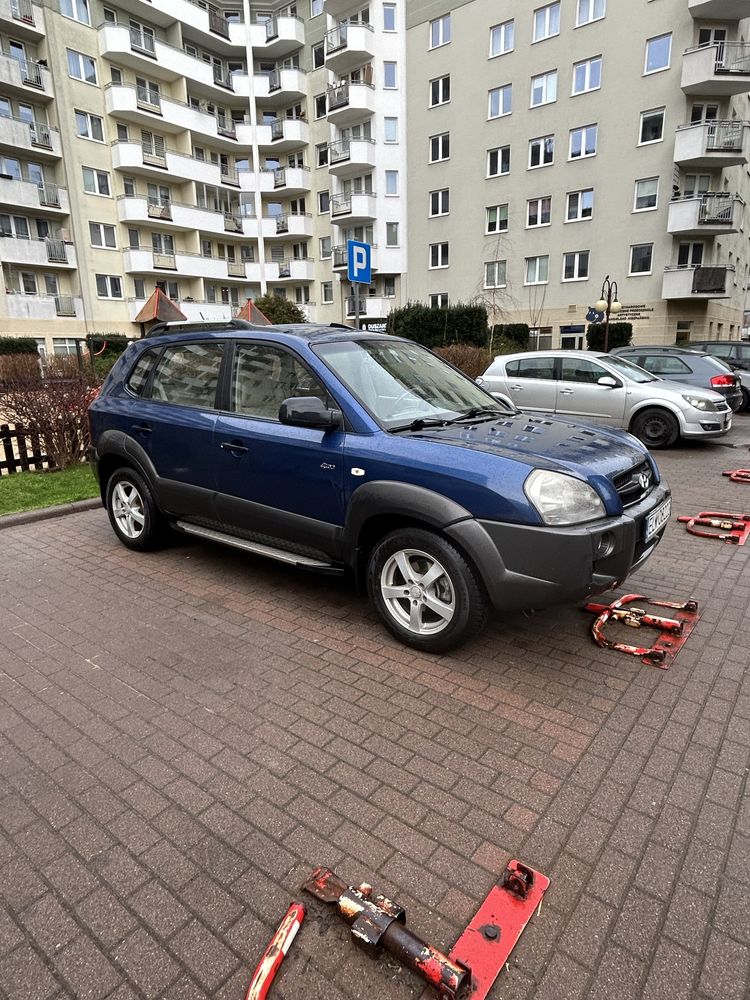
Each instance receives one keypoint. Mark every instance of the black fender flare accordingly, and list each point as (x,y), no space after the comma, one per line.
(117,443)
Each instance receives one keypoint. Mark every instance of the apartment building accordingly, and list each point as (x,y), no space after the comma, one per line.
(552,144)
(217,152)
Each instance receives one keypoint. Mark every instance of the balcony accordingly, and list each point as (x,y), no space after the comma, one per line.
(277,37)
(283,134)
(348,157)
(291,270)
(353,209)
(281,87)
(350,102)
(179,217)
(32,197)
(718,10)
(370,306)
(293,226)
(709,214)
(712,145)
(717,70)
(35,138)
(291,181)
(340,258)
(349,46)
(22,19)
(53,253)
(689,283)
(43,307)
(257,180)
(133,157)
(25,78)
(147,108)
(147,261)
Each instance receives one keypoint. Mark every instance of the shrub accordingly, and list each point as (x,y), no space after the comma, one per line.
(516,333)
(463,323)
(105,349)
(53,404)
(278,310)
(620,335)
(18,345)
(472,361)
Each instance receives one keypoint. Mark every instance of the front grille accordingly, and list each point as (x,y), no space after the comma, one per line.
(629,485)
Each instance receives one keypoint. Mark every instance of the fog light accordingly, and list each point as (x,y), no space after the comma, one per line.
(604,545)
(710,427)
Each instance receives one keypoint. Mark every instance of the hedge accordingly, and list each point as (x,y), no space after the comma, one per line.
(620,335)
(18,345)
(462,323)
(517,333)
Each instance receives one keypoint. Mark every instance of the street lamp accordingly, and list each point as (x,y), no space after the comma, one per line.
(608,304)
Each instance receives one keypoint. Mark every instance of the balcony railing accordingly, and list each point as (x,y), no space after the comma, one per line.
(340,256)
(56,251)
(153,157)
(236,269)
(277,128)
(716,208)
(49,195)
(143,41)
(733,57)
(725,135)
(225,126)
(148,99)
(31,72)
(40,135)
(272,28)
(279,177)
(341,204)
(165,261)
(285,269)
(232,223)
(22,10)
(65,305)
(282,224)
(339,151)
(338,95)
(229,175)
(336,38)
(218,24)
(159,208)
(351,305)
(274,80)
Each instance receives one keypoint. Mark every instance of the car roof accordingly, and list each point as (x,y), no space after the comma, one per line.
(239,329)
(655,347)
(559,353)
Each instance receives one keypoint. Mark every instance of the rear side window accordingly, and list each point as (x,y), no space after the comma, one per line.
(140,374)
(542,368)
(666,364)
(188,374)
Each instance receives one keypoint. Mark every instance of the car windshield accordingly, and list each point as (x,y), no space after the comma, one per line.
(402,383)
(628,369)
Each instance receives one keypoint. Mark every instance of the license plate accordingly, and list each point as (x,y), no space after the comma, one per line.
(658,518)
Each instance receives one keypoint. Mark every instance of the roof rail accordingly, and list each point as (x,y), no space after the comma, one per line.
(189,327)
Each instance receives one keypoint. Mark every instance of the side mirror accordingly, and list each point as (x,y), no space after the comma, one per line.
(309,411)
(609,382)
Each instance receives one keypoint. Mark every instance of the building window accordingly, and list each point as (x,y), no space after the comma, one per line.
(389,17)
(325,247)
(440,91)
(440,202)
(658,53)
(324,202)
(321,109)
(652,126)
(502,38)
(321,154)
(96,181)
(81,67)
(390,76)
(590,10)
(440,147)
(326,292)
(546,22)
(641,256)
(390,129)
(64,347)
(318,55)
(544,88)
(646,194)
(391,234)
(102,235)
(108,286)
(538,212)
(389,286)
(583,141)
(440,31)
(576,266)
(439,300)
(536,270)
(78,10)
(500,101)
(495,273)
(89,126)
(439,255)
(316,7)
(541,151)
(391,183)
(498,161)
(587,75)
(496,219)
(580,205)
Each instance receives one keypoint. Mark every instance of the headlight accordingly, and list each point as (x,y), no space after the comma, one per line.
(561,499)
(701,403)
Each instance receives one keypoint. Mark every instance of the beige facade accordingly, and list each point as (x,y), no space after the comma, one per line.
(216,151)
(584,138)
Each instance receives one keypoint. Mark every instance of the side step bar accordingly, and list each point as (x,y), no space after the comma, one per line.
(256,548)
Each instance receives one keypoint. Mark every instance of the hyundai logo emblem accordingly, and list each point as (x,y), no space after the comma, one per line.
(645,480)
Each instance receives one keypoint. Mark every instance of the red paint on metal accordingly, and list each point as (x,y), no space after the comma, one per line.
(274,954)
(738,475)
(736,526)
(505,912)
(673,632)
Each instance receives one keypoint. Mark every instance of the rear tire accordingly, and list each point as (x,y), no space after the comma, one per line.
(133,514)
(656,428)
(425,591)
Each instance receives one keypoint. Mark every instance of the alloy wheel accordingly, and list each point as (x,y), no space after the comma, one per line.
(418,592)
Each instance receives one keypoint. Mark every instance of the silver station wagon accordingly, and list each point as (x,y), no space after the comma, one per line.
(602,388)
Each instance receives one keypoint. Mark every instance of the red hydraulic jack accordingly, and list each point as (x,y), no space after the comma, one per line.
(673,631)
(738,475)
(733,529)
(475,961)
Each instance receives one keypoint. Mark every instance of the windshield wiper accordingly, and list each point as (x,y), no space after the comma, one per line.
(422,423)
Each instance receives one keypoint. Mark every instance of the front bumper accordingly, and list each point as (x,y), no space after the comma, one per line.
(525,566)
(707,425)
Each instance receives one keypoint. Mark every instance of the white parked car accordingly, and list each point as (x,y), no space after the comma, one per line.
(604,388)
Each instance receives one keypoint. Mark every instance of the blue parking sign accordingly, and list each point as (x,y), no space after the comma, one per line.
(359,261)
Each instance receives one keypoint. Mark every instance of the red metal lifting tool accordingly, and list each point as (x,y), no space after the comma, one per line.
(274,954)
(738,475)
(673,631)
(733,529)
(479,954)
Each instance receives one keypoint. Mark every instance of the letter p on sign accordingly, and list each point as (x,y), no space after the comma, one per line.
(359,259)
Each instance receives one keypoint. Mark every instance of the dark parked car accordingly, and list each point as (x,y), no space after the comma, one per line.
(681,364)
(340,451)
(734,353)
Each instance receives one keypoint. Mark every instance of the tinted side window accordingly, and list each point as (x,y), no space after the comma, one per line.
(581,370)
(532,368)
(140,374)
(188,374)
(717,350)
(264,376)
(666,364)
(743,352)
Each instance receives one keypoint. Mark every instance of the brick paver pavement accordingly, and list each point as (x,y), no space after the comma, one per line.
(184,734)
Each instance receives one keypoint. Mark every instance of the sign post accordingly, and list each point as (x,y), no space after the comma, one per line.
(359,270)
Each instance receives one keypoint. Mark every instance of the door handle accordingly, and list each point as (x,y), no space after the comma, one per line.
(141,428)
(235,447)
(516,388)
(566,392)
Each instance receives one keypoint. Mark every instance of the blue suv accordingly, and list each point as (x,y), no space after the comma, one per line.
(347,452)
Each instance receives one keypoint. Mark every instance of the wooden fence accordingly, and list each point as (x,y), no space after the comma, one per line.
(20,450)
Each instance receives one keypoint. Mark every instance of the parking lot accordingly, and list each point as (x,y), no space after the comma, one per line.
(185,734)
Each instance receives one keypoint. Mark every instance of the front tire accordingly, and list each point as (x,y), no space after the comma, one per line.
(425,591)
(133,514)
(656,428)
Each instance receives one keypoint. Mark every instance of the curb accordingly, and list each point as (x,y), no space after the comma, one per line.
(45,513)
